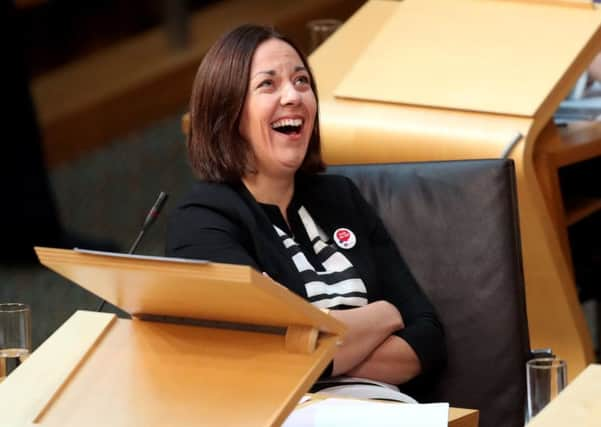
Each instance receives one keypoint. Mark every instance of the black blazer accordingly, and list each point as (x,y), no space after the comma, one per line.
(224,223)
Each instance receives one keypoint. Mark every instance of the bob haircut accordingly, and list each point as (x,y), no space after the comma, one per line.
(216,150)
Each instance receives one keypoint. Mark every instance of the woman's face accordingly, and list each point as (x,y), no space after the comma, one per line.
(279,110)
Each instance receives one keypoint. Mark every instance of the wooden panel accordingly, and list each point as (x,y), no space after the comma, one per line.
(459,417)
(218,292)
(465,55)
(28,390)
(144,373)
(579,405)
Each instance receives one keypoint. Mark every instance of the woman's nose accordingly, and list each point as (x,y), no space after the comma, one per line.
(290,96)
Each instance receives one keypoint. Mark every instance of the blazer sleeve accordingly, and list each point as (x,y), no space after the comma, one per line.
(423,330)
(199,232)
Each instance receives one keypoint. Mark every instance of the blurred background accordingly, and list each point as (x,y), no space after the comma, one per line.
(110,80)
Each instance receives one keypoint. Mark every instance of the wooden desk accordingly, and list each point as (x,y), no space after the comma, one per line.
(453,117)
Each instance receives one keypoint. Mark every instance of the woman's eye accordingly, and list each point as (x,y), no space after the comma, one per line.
(265,83)
(302,80)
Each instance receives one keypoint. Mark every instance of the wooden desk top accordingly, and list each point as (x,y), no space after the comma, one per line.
(96,370)
(479,60)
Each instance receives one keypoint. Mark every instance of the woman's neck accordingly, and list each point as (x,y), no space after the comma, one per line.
(269,190)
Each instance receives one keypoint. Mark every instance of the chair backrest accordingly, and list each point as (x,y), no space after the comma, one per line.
(456,225)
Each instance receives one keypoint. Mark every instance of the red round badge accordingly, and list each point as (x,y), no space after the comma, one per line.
(345,238)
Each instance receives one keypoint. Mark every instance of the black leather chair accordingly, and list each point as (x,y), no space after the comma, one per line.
(456,224)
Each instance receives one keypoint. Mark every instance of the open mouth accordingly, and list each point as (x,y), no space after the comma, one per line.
(288,126)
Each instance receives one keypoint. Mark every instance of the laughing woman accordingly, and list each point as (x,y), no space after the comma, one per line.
(262,201)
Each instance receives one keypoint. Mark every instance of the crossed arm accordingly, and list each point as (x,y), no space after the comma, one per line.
(370,349)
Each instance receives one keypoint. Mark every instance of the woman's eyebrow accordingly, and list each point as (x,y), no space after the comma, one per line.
(272,72)
(268,72)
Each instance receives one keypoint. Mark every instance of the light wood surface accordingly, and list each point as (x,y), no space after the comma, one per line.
(459,417)
(579,405)
(301,339)
(32,387)
(196,291)
(442,64)
(143,372)
(362,131)
(583,4)
(150,373)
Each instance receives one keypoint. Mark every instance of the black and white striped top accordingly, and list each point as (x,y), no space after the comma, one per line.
(330,280)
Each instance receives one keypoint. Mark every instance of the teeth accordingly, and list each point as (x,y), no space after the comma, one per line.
(287,122)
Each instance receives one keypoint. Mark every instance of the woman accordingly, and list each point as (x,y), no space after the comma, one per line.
(254,142)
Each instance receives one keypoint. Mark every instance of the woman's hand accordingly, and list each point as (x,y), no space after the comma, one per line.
(367,328)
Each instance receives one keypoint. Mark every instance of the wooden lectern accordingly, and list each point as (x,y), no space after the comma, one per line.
(424,80)
(256,348)
(248,352)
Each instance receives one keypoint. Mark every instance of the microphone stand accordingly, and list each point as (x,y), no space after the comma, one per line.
(151,217)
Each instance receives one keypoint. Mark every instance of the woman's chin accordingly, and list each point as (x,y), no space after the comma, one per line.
(288,168)
(293,166)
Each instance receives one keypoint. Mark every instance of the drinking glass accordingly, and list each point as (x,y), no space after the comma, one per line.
(320,30)
(15,336)
(545,379)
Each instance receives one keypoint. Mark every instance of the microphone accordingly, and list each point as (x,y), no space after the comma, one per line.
(151,217)
(153,214)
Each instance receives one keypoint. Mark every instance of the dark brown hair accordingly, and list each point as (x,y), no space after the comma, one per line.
(216,150)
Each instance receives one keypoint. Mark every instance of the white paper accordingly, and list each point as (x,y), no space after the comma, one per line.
(364,413)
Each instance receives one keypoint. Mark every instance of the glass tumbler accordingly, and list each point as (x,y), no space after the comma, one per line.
(15,336)
(545,379)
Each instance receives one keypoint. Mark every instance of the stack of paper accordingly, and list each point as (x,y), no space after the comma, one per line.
(336,412)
